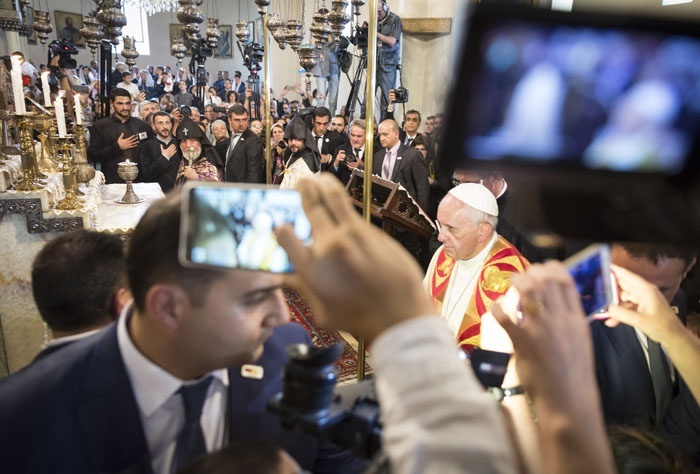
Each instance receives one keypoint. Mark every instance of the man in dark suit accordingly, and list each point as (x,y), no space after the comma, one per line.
(79,285)
(122,401)
(401,164)
(160,156)
(351,155)
(629,391)
(242,153)
(327,141)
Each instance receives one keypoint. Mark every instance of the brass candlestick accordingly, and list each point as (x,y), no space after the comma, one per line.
(80,161)
(30,181)
(42,124)
(128,171)
(70,182)
(7,146)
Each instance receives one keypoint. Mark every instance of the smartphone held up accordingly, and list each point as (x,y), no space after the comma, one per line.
(231,226)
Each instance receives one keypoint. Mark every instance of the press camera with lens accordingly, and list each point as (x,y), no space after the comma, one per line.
(400,95)
(64,49)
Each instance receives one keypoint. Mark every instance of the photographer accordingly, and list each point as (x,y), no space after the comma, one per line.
(388,52)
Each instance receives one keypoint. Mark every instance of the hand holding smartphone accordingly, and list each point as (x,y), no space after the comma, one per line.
(231,226)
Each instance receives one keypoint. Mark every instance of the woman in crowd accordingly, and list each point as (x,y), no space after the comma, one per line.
(219,131)
(278,148)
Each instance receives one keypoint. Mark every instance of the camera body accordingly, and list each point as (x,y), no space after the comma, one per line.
(64,49)
(252,57)
(361,36)
(401,95)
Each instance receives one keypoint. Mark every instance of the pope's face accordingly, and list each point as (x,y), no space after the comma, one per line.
(458,233)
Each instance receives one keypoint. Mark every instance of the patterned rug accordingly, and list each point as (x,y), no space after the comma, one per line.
(301,313)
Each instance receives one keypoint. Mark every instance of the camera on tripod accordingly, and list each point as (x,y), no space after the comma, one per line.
(65,49)
(252,56)
(361,36)
(400,95)
(201,50)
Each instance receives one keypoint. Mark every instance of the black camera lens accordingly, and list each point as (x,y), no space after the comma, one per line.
(282,144)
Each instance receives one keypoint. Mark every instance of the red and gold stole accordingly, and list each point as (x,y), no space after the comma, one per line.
(494,279)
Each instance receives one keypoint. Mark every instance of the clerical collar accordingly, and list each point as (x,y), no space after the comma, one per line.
(164,141)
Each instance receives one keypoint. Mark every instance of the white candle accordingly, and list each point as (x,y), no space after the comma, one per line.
(78,109)
(17,88)
(60,117)
(46,88)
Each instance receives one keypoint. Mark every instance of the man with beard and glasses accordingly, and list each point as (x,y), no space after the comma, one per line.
(302,158)
(118,137)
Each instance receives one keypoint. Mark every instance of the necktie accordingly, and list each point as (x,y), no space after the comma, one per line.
(387,166)
(358,153)
(319,143)
(190,442)
(408,141)
(660,379)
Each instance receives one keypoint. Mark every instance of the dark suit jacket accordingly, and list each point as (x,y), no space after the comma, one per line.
(410,170)
(343,172)
(155,167)
(75,412)
(331,141)
(246,164)
(627,393)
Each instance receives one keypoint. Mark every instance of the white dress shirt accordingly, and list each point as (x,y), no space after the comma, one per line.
(160,406)
(437,419)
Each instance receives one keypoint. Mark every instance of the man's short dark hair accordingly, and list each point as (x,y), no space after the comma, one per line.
(341,117)
(237,109)
(322,112)
(656,252)
(118,92)
(240,457)
(414,112)
(126,73)
(160,113)
(75,278)
(153,255)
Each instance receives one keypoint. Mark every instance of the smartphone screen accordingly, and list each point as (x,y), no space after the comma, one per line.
(232,226)
(590,269)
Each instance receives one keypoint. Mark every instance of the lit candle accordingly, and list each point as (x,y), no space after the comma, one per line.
(46,88)
(78,109)
(17,88)
(60,117)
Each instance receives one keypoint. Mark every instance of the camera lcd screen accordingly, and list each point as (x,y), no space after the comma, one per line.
(581,91)
(231,226)
(590,269)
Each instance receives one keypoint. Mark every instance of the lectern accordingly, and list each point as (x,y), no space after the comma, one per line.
(391,204)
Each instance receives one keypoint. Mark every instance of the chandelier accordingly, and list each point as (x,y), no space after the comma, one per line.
(152,7)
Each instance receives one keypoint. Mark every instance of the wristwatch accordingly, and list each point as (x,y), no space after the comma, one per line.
(501,393)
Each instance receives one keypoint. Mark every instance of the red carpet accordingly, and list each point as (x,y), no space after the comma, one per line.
(301,313)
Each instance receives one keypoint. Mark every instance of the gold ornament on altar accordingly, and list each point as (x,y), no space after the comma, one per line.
(70,182)
(128,171)
(30,181)
(43,124)
(84,172)
(42,25)
(262,6)
(7,147)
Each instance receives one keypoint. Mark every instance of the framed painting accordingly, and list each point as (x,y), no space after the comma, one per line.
(68,27)
(224,48)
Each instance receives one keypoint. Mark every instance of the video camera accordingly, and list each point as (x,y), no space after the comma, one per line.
(65,49)
(361,36)
(252,57)
(349,416)
(201,50)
